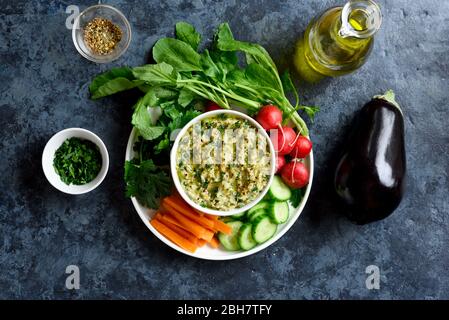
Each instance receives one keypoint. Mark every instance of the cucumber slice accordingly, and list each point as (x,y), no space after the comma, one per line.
(260,205)
(258,213)
(230,241)
(279,211)
(245,237)
(279,190)
(263,229)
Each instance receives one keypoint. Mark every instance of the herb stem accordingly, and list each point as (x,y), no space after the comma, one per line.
(233,96)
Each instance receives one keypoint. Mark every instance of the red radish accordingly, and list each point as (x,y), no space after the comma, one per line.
(280,162)
(295,174)
(301,148)
(211,106)
(285,140)
(269,117)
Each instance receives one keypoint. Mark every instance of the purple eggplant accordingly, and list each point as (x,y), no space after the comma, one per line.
(370,176)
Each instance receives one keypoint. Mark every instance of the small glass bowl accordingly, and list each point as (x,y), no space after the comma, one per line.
(106,12)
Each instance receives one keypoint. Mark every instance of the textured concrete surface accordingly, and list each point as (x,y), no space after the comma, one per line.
(43,89)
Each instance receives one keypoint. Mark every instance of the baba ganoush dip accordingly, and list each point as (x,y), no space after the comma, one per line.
(223,162)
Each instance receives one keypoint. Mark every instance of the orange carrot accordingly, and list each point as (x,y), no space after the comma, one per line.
(201,242)
(206,215)
(185,210)
(178,230)
(199,212)
(173,236)
(169,218)
(211,216)
(222,227)
(191,226)
(214,243)
(157,216)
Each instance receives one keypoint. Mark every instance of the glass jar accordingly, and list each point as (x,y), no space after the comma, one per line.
(338,41)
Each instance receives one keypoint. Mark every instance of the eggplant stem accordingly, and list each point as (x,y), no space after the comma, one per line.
(389,96)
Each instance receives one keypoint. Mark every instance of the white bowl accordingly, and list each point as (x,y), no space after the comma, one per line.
(173,162)
(49,153)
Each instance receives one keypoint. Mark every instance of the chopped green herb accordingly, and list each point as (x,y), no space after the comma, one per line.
(77,161)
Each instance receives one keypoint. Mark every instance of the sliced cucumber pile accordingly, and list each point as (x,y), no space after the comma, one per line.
(260,223)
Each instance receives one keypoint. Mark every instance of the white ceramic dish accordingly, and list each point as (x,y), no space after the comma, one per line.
(49,153)
(207,252)
(173,162)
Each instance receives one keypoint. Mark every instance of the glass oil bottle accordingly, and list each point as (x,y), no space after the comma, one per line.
(338,41)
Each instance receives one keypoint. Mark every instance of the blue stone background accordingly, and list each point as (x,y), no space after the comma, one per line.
(43,89)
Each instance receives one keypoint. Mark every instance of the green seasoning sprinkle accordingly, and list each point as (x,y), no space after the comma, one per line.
(77,161)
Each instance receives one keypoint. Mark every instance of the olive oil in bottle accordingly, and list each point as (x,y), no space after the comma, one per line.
(338,41)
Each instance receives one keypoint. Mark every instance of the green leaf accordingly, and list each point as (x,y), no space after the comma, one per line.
(156,74)
(288,85)
(163,144)
(226,61)
(223,35)
(178,54)
(165,94)
(151,133)
(142,119)
(180,122)
(310,110)
(255,53)
(146,182)
(113,81)
(122,72)
(296,198)
(209,67)
(172,112)
(260,76)
(185,97)
(287,82)
(187,33)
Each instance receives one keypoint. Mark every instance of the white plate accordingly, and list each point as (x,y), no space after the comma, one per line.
(207,252)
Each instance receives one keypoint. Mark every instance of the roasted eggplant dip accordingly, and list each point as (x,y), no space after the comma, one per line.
(223,162)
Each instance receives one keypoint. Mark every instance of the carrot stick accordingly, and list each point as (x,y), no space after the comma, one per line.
(171,219)
(171,202)
(201,242)
(199,212)
(168,217)
(211,216)
(206,215)
(191,226)
(222,227)
(214,243)
(157,216)
(182,232)
(173,236)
